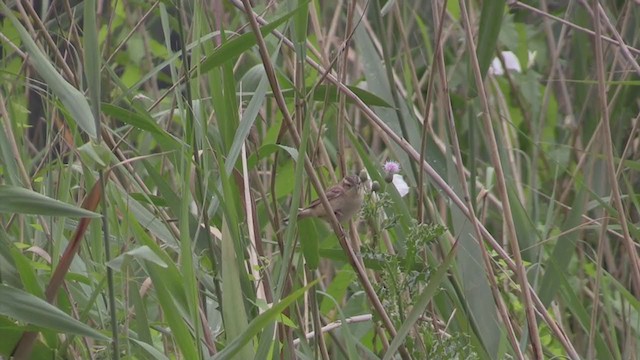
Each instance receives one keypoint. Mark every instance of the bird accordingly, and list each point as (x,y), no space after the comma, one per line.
(345,199)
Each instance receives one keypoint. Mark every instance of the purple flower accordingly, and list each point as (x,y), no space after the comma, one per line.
(391,167)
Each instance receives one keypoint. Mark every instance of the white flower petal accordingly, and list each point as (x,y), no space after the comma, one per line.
(510,60)
(400,184)
(496,67)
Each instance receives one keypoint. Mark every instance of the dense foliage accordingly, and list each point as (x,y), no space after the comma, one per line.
(152,150)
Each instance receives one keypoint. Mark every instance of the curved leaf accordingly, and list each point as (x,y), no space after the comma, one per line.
(14,199)
(22,306)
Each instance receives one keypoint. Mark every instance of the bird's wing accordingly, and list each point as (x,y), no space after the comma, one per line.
(331,193)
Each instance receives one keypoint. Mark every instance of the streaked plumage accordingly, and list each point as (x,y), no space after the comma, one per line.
(345,199)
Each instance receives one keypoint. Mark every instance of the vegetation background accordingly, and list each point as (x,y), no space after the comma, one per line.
(151,149)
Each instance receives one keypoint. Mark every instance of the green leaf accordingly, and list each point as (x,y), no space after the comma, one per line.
(141,253)
(95,155)
(72,98)
(15,199)
(248,119)
(27,273)
(92,58)
(564,249)
(260,322)
(268,149)
(490,24)
(141,121)
(309,241)
(22,306)
(233,48)
(170,297)
(150,350)
(233,311)
(300,25)
(10,332)
(337,289)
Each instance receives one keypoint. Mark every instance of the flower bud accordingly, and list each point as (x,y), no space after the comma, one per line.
(389,178)
(363,175)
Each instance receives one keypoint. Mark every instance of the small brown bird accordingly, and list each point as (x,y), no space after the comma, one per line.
(345,199)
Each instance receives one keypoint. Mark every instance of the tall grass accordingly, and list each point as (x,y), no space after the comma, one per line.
(151,152)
